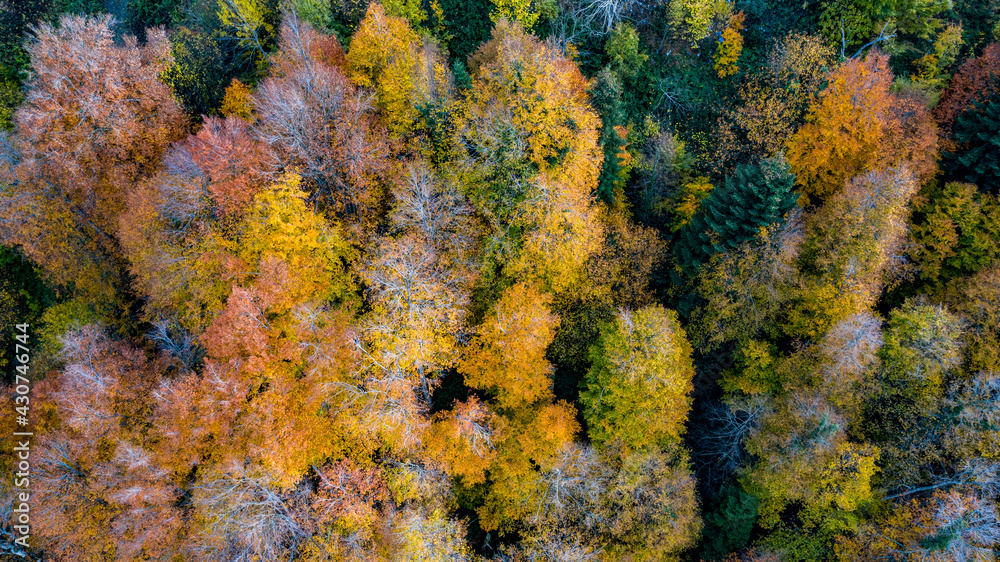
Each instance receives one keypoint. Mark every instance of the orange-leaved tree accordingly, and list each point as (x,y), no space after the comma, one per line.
(857,125)
(506,357)
(95,121)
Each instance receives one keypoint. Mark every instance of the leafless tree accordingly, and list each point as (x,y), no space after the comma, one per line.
(977,473)
(977,402)
(850,348)
(569,492)
(88,383)
(430,536)
(318,120)
(604,14)
(558,545)
(435,209)
(851,344)
(475,424)
(245,517)
(176,341)
(720,434)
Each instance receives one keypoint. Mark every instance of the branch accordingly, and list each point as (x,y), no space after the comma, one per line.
(870,43)
(918,490)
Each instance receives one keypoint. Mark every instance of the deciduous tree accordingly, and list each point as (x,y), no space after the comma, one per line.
(317,120)
(857,125)
(746,287)
(529,140)
(803,455)
(100,491)
(623,270)
(637,389)
(506,357)
(649,507)
(947,526)
(957,233)
(923,346)
(96,120)
(851,250)
(771,105)
(973,82)
(464,440)
(980,304)
(382,56)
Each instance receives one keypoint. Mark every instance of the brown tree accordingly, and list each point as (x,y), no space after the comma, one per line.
(973,82)
(317,120)
(230,162)
(94,122)
(100,489)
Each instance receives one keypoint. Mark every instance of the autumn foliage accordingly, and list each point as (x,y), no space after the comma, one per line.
(974,81)
(858,125)
(95,121)
(574,280)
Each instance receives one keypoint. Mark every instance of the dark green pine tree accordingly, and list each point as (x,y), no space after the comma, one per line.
(606,95)
(977,133)
(757,195)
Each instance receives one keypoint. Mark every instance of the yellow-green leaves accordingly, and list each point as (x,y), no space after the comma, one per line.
(383,56)
(530,140)
(637,389)
(519,11)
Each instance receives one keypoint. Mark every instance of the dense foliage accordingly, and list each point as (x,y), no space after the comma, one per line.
(510,280)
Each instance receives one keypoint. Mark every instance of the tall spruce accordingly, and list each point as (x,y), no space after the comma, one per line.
(606,95)
(757,195)
(977,133)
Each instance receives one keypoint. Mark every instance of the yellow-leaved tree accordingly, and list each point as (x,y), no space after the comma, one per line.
(803,455)
(381,56)
(519,11)
(529,150)
(250,22)
(405,72)
(850,246)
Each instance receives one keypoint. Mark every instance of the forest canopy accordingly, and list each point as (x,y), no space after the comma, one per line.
(505,280)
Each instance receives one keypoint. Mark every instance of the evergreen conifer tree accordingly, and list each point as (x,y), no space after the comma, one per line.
(606,95)
(756,195)
(977,132)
